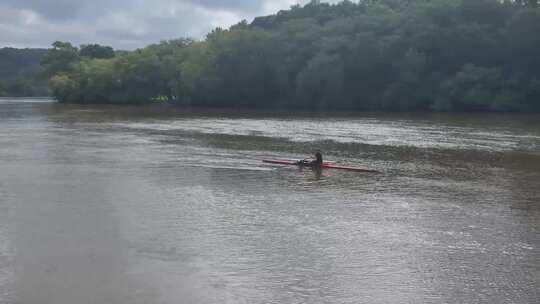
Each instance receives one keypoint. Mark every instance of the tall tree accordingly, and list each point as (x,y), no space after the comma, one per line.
(63,57)
(96,51)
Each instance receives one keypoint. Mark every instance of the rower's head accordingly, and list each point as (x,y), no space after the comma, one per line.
(318,157)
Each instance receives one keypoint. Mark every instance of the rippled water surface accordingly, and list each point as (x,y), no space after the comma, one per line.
(131,205)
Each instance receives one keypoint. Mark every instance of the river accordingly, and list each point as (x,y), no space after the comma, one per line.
(102,204)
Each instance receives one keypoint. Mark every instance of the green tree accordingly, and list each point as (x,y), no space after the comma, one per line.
(65,88)
(63,57)
(320,84)
(471,89)
(3,91)
(523,41)
(96,51)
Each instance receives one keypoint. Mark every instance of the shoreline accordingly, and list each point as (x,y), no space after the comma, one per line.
(175,109)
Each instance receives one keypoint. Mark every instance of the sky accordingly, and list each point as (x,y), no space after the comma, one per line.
(123,24)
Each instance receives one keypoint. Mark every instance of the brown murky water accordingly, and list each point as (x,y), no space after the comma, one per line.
(131,205)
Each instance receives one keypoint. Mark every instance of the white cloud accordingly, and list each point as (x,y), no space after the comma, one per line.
(123,24)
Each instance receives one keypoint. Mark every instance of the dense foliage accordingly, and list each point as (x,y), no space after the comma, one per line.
(398,55)
(19,72)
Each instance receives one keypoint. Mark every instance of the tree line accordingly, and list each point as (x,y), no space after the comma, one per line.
(388,55)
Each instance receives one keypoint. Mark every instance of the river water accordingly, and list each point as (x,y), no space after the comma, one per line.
(102,204)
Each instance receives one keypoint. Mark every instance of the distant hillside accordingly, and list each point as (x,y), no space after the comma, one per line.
(20,72)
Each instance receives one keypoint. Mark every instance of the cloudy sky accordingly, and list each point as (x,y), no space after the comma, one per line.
(123,24)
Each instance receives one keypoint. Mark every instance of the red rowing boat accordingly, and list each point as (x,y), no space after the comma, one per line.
(324,165)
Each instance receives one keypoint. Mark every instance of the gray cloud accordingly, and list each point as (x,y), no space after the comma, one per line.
(124,24)
(58,9)
(241,5)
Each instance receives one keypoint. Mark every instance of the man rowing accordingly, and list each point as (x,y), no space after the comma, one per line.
(312,162)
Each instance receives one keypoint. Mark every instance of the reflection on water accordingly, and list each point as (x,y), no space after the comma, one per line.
(131,205)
